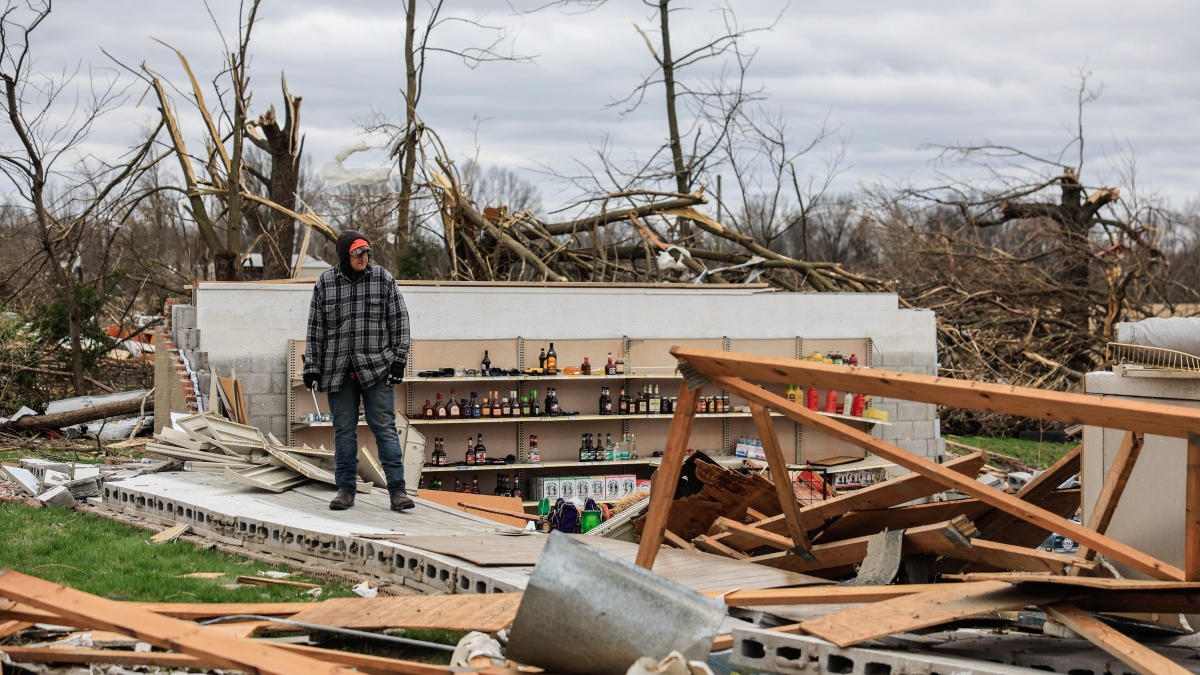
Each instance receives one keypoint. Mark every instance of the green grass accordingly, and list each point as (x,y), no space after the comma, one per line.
(1032,453)
(114,560)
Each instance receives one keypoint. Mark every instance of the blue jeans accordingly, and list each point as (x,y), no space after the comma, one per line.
(378,402)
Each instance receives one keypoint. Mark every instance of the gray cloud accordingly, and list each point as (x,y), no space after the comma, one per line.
(894,76)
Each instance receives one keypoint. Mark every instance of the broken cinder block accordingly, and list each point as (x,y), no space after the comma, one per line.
(59,496)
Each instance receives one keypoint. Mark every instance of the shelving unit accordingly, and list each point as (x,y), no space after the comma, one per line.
(648,362)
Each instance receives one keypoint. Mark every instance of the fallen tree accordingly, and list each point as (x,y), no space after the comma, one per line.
(73,417)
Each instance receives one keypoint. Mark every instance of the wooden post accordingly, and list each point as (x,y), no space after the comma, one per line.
(1110,494)
(1135,655)
(663,491)
(783,486)
(1191,537)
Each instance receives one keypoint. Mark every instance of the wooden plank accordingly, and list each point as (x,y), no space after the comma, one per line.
(170,534)
(1145,660)
(783,484)
(1082,582)
(1191,536)
(378,665)
(486,613)
(267,581)
(662,491)
(178,610)
(923,610)
(452,500)
(710,545)
(673,539)
(1110,494)
(516,515)
(182,636)
(1037,489)
(818,595)
(1156,418)
(1005,502)
(9,627)
(106,656)
(889,493)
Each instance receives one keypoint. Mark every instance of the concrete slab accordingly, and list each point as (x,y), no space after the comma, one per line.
(23,478)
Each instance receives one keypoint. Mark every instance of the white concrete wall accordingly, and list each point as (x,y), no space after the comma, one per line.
(247,325)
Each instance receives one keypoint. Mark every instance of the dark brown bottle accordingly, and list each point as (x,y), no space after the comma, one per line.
(497,409)
(470,458)
(551,361)
(623,403)
(475,485)
(439,408)
(480,451)
(453,409)
(427,411)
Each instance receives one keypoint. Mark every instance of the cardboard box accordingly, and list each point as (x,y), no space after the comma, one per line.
(643,485)
(612,487)
(566,488)
(583,488)
(550,489)
(628,484)
(598,490)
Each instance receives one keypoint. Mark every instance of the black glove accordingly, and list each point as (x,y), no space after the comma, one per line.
(396,373)
(311,380)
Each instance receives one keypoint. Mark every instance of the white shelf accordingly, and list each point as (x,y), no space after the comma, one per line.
(586,418)
(299,381)
(530,465)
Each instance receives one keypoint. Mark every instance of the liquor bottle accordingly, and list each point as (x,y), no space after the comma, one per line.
(487,365)
(620,365)
(470,452)
(623,403)
(439,408)
(701,405)
(498,491)
(583,449)
(526,409)
(632,454)
(443,460)
(542,360)
(485,407)
(655,402)
(421,483)
(551,361)
(427,411)
(552,407)
(497,410)
(516,404)
(605,402)
(480,451)
(535,455)
(535,405)
(453,409)
(725,405)
(591,448)
(505,407)
(609,453)
(457,485)
(434,458)
(610,368)
(586,367)
(516,490)
(668,405)
(475,485)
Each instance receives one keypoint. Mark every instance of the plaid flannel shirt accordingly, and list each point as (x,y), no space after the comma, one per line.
(355,325)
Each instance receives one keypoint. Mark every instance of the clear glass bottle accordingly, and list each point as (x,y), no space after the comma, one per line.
(535,455)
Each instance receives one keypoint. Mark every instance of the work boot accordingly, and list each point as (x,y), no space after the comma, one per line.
(343,500)
(401,501)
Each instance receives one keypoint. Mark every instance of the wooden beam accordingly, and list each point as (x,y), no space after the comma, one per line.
(9,627)
(1114,487)
(174,634)
(1117,644)
(676,541)
(1191,536)
(880,496)
(662,491)
(1156,418)
(710,545)
(107,656)
(819,595)
(783,484)
(941,605)
(1005,502)
(1034,492)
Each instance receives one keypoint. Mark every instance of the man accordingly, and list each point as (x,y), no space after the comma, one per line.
(358,350)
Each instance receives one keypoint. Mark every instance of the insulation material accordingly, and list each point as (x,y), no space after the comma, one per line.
(1181,334)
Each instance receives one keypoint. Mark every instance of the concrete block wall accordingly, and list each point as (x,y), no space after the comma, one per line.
(915,426)
(174,390)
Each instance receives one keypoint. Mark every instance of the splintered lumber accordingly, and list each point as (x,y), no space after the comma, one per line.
(1113,549)
(818,595)
(178,610)
(1037,489)
(486,613)
(711,545)
(1117,644)
(174,634)
(107,656)
(668,475)
(948,602)
(9,627)
(267,581)
(783,483)
(1114,487)
(889,493)
(1191,535)
(170,534)
(1156,418)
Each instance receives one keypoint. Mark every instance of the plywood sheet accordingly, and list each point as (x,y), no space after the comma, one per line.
(451,499)
(465,612)
(483,550)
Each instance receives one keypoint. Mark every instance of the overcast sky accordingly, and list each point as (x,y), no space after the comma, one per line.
(891,76)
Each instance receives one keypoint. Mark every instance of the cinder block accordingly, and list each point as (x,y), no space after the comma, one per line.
(183,317)
(197,359)
(256,383)
(924,430)
(59,496)
(188,338)
(263,406)
(898,429)
(912,410)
